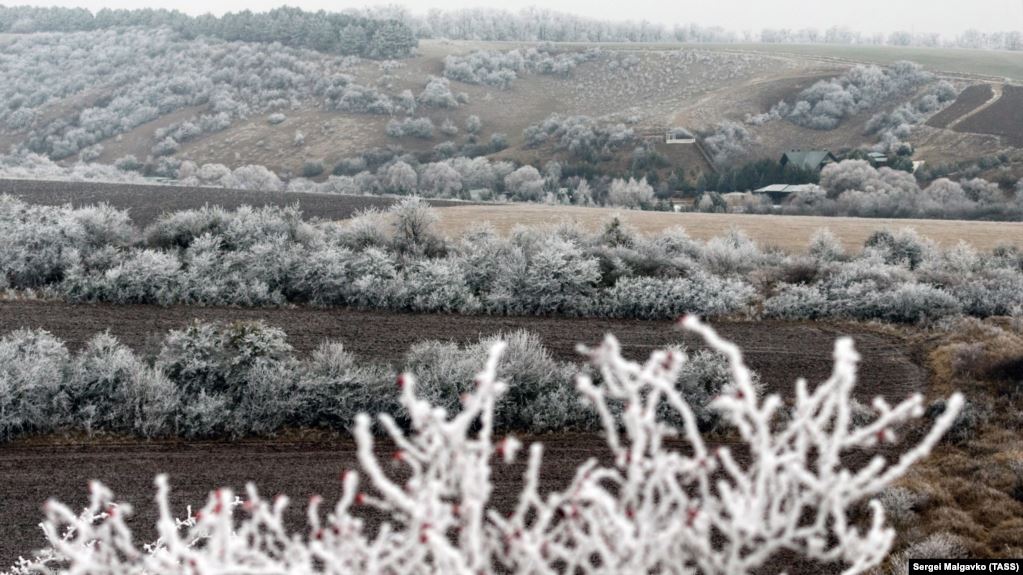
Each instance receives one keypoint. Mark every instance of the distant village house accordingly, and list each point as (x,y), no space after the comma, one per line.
(808,159)
(679,136)
(779,193)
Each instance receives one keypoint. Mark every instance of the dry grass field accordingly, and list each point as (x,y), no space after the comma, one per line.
(784,232)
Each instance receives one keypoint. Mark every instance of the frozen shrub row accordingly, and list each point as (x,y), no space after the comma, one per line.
(395,260)
(585,137)
(500,69)
(421,128)
(231,380)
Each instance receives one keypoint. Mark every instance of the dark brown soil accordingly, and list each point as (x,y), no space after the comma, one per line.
(968,100)
(1004,118)
(32,474)
(35,469)
(146,202)
(779,351)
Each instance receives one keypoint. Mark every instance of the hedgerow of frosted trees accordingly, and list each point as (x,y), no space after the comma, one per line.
(390,30)
(502,68)
(331,32)
(217,380)
(394,260)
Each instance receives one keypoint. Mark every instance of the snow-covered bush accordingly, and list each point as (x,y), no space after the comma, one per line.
(412,127)
(650,298)
(648,508)
(539,397)
(111,389)
(245,368)
(437,94)
(727,142)
(630,194)
(414,231)
(525,184)
(33,368)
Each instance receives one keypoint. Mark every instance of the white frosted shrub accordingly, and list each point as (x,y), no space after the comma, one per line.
(824,105)
(267,399)
(324,277)
(647,508)
(559,278)
(941,545)
(179,229)
(367,228)
(732,254)
(903,247)
(414,227)
(704,376)
(437,93)
(333,389)
(437,286)
(668,298)
(33,368)
(100,225)
(257,178)
(901,504)
(989,292)
(797,302)
(376,274)
(232,379)
(630,194)
(38,247)
(914,303)
(824,246)
(525,184)
(539,398)
(145,276)
(111,389)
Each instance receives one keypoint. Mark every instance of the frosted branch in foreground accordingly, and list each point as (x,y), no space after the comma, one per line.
(669,503)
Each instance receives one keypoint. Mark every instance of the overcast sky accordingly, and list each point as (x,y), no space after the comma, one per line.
(948,17)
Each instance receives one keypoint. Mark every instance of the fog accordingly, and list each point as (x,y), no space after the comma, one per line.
(947,17)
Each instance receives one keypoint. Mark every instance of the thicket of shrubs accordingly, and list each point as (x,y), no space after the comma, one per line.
(500,69)
(395,261)
(217,380)
(146,74)
(586,138)
(825,104)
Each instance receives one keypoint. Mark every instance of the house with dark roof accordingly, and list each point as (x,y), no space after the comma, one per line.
(779,193)
(808,159)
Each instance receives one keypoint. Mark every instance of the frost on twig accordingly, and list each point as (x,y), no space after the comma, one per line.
(655,509)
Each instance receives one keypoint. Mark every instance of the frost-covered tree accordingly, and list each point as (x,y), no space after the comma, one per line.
(437,94)
(630,194)
(525,184)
